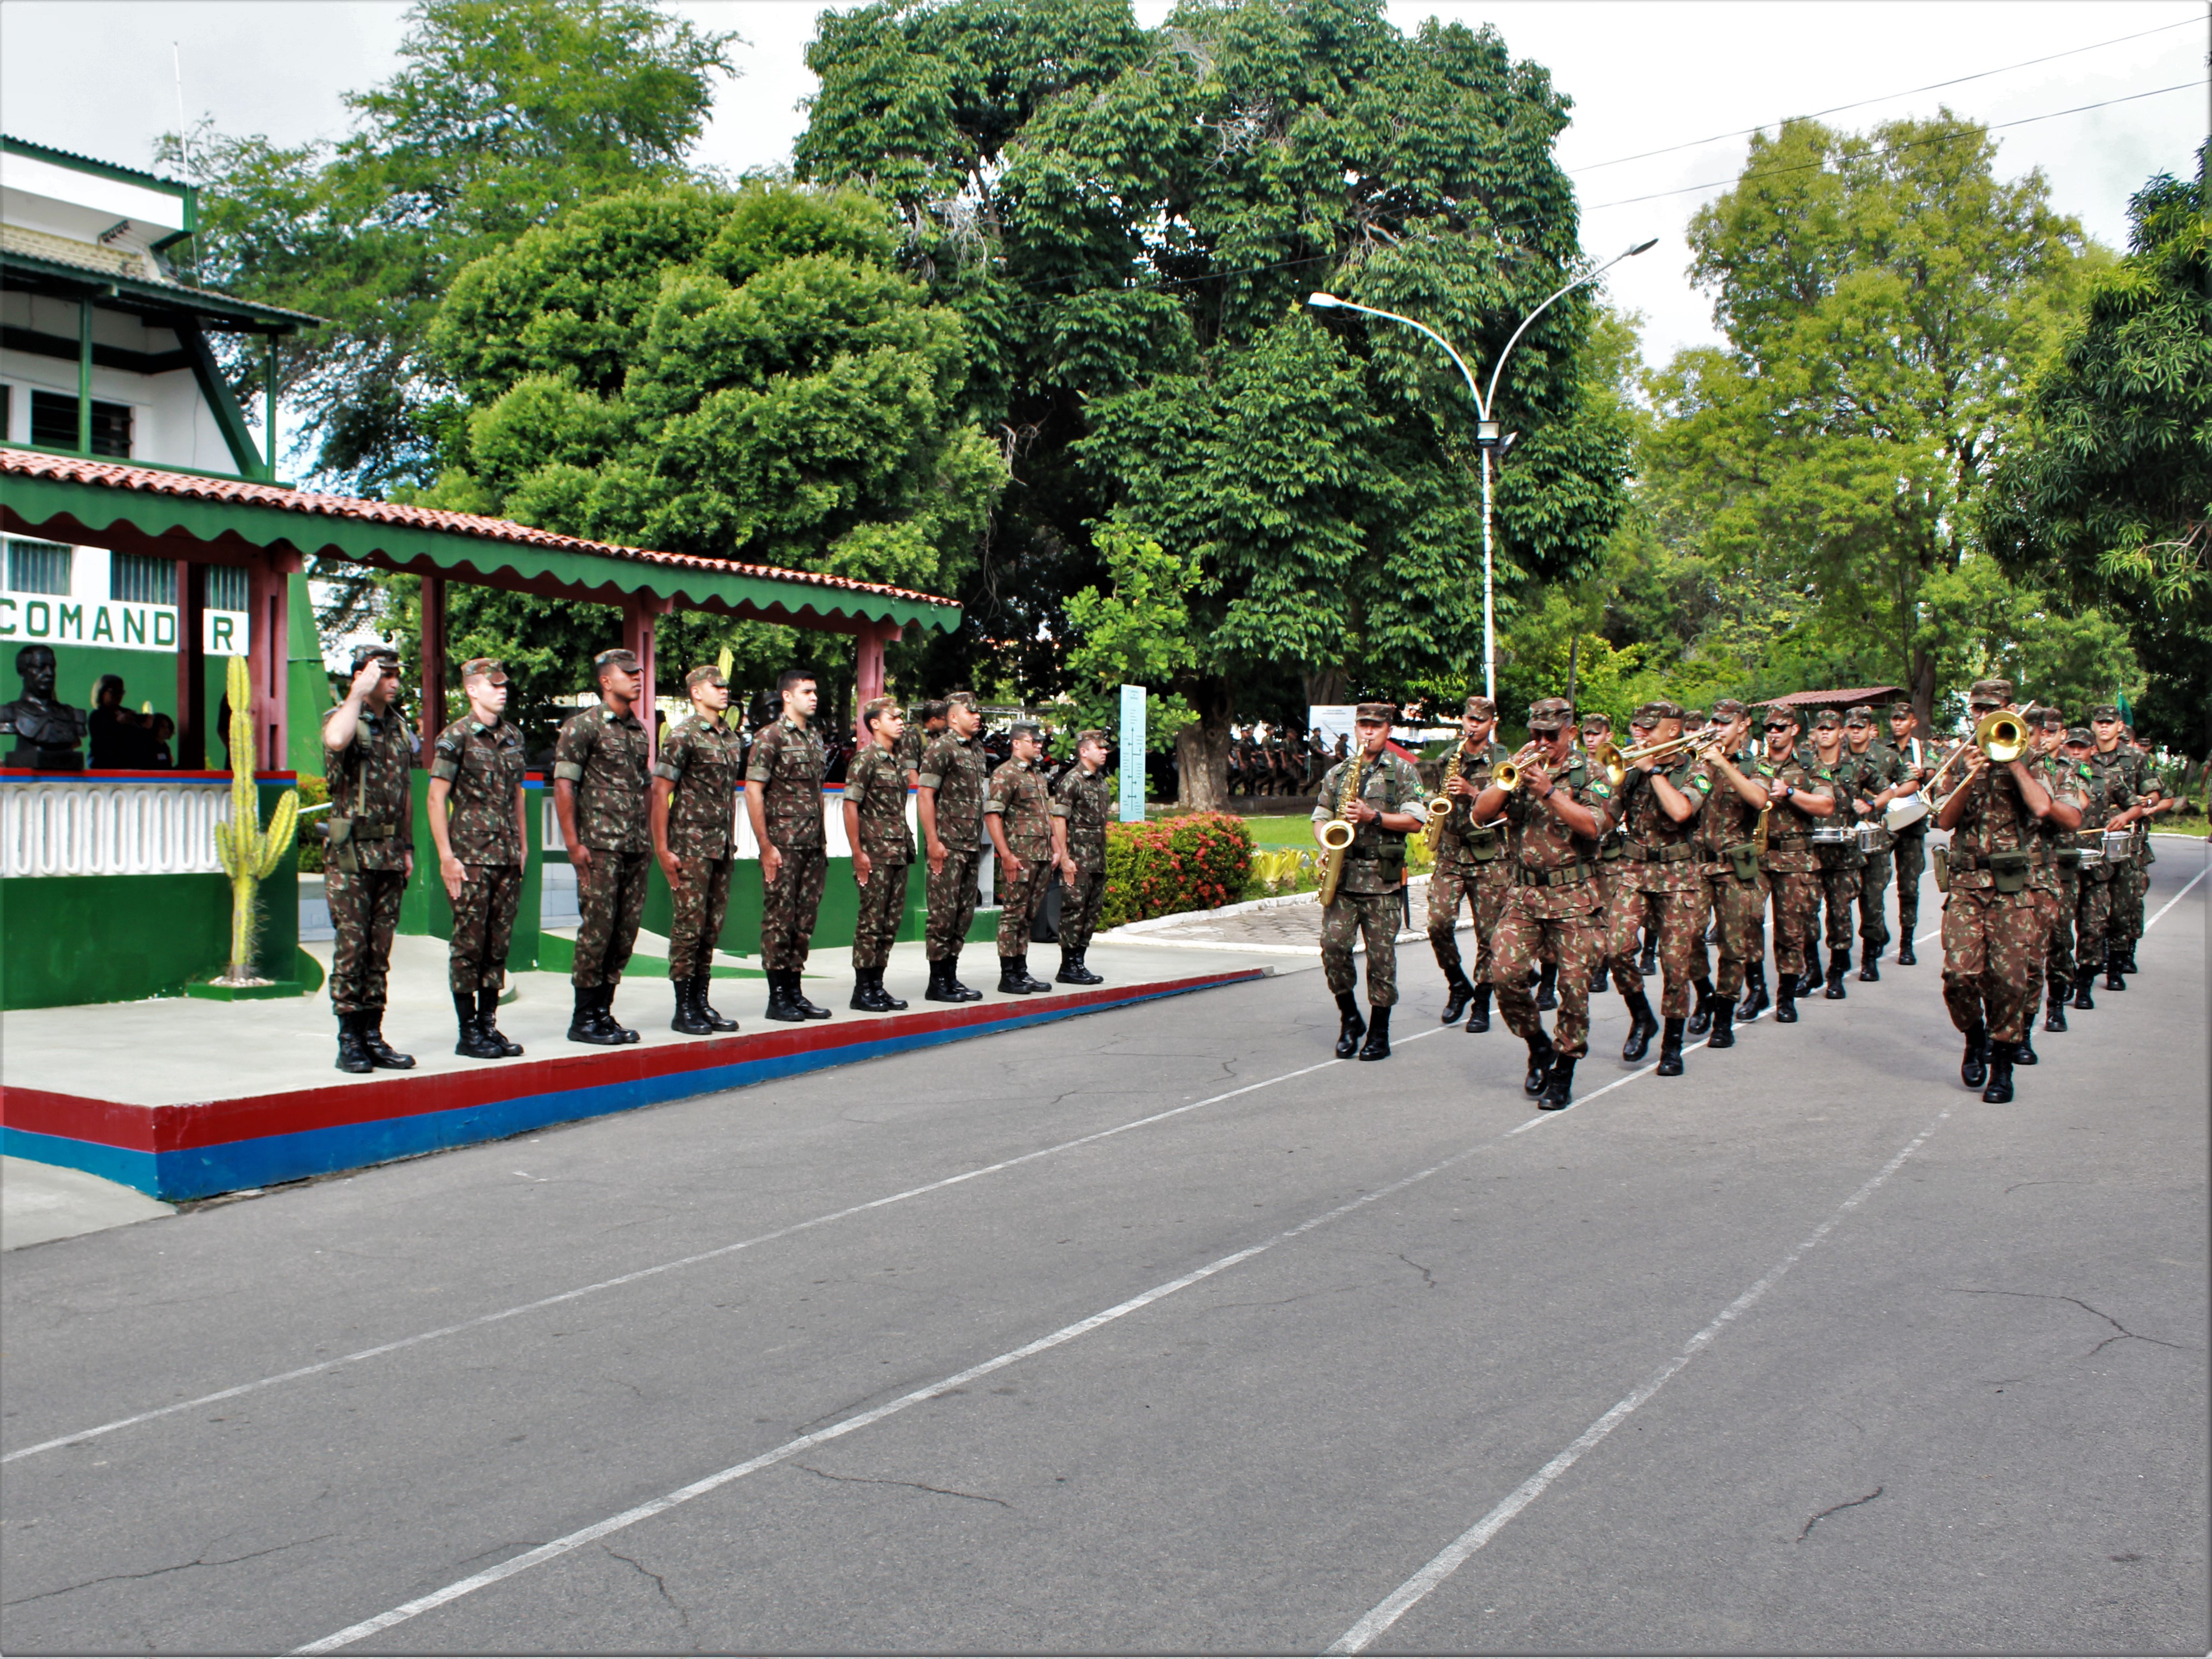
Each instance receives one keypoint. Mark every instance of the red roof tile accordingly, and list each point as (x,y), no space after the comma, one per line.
(1824,699)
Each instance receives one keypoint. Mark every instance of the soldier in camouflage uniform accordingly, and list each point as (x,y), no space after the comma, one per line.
(783,799)
(1658,805)
(1386,809)
(1623,922)
(601,789)
(1018,816)
(2001,890)
(695,779)
(2047,727)
(2107,804)
(1471,868)
(1796,797)
(477,765)
(1729,831)
(1880,777)
(1082,807)
(883,850)
(951,807)
(2130,880)
(926,726)
(1908,842)
(1557,812)
(368,761)
(1843,866)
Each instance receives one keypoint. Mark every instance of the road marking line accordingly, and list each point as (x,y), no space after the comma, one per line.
(2176,899)
(630,1517)
(1449,1559)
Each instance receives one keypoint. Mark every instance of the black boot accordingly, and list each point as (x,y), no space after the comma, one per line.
(1351,1027)
(700,981)
(1974,1065)
(1869,955)
(2000,1090)
(2128,958)
(861,1001)
(687,1021)
(1755,1000)
(1670,1049)
(1541,1058)
(474,1044)
(586,1024)
(1648,964)
(960,993)
(1701,1016)
(1377,1046)
(352,1056)
(1083,968)
(1073,970)
(1838,965)
(382,1054)
(1809,980)
(941,984)
(1559,1084)
(2081,997)
(798,997)
(2054,1015)
(1547,996)
(780,1005)
(1477,1015)
(1642,1027)
(2023,1052)
(487,1021)
(1458,993)
(623,1033)
(1035,985)
(1785,998)
(1013,982)
(1724,1035)
(1601,980)
(2112,980)
(1905,957)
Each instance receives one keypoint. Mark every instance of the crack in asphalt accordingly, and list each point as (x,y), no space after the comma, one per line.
(1831,1508)
(871,1480)
(1427,1278)
(658,1583)
(180,1566)
(2123,1333)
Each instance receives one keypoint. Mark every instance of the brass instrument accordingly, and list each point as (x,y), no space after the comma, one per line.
(1605,755)
(1337,834)
(1665,749)
(1506,775)
(2001,735)
(1440,808)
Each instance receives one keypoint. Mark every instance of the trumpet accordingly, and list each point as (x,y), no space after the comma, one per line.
(1506,775)
(1606,756)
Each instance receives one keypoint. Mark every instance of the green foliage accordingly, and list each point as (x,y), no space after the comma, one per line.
(314,791)
(1194,862)
(1137,634)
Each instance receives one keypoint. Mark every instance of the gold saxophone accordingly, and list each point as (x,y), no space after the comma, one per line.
(1336,834)
(1440,809)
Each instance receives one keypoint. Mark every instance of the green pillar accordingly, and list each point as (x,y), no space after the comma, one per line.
(307,686)
(84,377)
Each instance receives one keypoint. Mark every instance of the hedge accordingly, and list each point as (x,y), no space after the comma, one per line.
(1195,862)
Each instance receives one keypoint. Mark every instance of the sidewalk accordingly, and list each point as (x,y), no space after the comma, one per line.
(43,1201)
(1287,928)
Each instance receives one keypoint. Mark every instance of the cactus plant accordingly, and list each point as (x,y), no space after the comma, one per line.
(248,852)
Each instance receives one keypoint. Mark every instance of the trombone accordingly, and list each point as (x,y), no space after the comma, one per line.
(2001,735)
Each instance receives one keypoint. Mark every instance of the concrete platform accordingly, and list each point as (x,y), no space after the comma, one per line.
(181,1099)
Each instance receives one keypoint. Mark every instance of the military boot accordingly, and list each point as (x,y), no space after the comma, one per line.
(487,1021)
(781,985)
(1755,1000)
(1868,958)
(586,1024)
(1974,1065)
(1083,968)
(1701,1016)
(1785,999)
(1377,1046)
(2081,997)
(2128,958)
(798,997)
(1670,1049)
(861,1001)
(382,1054)
(1073,970)
(1013,982)
(1724,1035)
(1810,980)
(2023,1052)
(1838,965)
(700,983)
(1541,1058)
(1547,996)
(1559,1084)
(687,1022)
(623,1033)
(352,1055)
(2000,1090)
(1649,963)
(1350,1026)
(1601,980)
(1458,993)
(1642,1026)
(1477,1016)
(960,993)
(940,985)
(2112,980)
(474,1044)
(2054,1014)
(1022,967)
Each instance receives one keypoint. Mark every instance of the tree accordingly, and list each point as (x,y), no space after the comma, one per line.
(1131,220)
(1138,632)
(2114,491)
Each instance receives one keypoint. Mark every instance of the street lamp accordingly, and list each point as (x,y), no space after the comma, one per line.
(1489,437)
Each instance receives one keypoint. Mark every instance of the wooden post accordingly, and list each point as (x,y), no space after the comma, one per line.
(868,669)
(191,751)
(432,714)
(269,659)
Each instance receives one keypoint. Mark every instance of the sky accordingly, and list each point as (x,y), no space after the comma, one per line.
(102,77)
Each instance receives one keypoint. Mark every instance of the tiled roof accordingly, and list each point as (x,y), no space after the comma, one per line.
(116,476)
(179,295)
(1825,699)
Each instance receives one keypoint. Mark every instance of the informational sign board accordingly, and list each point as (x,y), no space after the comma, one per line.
(1332,720)
(1133,754)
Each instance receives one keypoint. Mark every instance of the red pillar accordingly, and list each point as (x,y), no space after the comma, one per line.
(268,657)
(640,613)
(868,670)
(191,746)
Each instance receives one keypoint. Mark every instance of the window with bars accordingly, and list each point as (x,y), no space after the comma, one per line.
(226,588)
(39,567)
(140,579)
(53,424)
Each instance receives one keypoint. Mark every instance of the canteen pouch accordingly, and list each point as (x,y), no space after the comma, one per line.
(1745,857)
(2009,871)
(1938,860)
(339,852)
(1480,845)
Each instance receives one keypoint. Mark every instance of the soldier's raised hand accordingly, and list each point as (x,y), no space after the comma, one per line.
(365,681)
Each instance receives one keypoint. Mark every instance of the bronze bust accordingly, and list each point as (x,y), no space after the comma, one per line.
(48,734)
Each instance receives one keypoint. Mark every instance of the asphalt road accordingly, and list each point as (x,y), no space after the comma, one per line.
(1809,1350)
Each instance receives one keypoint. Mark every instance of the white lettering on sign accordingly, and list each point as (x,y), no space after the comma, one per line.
(117,622)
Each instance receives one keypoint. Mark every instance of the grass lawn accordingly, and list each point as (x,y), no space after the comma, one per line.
(1284,831)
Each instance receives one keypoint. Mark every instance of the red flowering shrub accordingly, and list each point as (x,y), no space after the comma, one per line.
(1190,863)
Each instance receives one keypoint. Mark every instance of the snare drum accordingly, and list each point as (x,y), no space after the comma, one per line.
(1832,835)
(1872,838)
(2118,845)
(2091,857)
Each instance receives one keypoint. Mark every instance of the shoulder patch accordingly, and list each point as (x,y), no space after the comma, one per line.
(1603,791)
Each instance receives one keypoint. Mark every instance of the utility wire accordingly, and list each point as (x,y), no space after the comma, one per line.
(1838,109)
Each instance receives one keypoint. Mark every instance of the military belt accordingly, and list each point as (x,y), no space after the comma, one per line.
(370,829)
(1563,877)
(1675,855)
(1963,859)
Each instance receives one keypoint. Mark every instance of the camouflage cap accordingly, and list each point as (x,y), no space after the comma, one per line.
(1092,734)
(1695,717)
(1590,722)
(1859,713)
(1828,720)
(2082,735)
(1550,714)
(706,674)
(1650,714)
(1989,694)
(621,657)
(2105,711)
(1384,711)
(483,668)
(1481,707)
(2048,718)
(375,651)
(1026,729)
(1730,708)
(1900,710)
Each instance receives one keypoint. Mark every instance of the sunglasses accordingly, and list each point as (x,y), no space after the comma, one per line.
(1785,726)
(2104,719)
(1858,726)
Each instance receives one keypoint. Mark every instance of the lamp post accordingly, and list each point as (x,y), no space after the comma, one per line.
(1489,438)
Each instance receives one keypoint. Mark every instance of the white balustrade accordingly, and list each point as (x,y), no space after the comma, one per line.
(84,827)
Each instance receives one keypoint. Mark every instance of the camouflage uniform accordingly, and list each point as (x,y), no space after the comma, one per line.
(603,754)
(2004,894)
(371,783)
(1085,800)
(1908,848)
(1735,885)
(2130,881)
(787,762)
(1843,866)
(704,759)
(486,765)
(1793,870)
(1555,909)
(875,786)
(1881,768)
(914,743)
(1368,901)
(1023,804)
(1472,868)
(2104,792)
(1663,869)
(954,768)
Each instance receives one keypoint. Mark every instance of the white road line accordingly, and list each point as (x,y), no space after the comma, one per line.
(630,1517)
(1449,1559)
(2176,899)
(483,1319)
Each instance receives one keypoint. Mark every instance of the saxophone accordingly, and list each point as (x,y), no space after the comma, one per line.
(1440,809)
(1336,834)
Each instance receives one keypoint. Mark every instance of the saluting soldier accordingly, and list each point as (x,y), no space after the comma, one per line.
(695,781)
(951,807)
(2107,804)
(883,850)
(1797,795)
(2001,890)
(1556,814)
(1470,867)
(1018,816)
(1842,864)
(1658,803)
(783,799)
(1882,776)
(601,791)
(1082,807)
(2130,880)
(476,768)
(1908,842)
(1730,837)
(367,761)
(1368,902)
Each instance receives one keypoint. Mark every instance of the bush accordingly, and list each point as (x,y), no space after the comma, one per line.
(1191,863)
(313,792)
